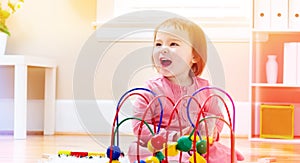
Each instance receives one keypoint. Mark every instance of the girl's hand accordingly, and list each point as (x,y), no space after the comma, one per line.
(185,131)
(216,134)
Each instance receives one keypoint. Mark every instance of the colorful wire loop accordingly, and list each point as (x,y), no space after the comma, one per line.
(158,145)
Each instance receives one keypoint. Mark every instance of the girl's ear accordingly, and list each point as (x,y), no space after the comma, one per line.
(196,58)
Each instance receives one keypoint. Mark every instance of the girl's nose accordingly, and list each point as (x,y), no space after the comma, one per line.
(164,50)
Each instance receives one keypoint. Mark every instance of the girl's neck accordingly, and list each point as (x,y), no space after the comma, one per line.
(181,80)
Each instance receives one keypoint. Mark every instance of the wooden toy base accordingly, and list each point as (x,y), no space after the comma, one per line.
(70,159)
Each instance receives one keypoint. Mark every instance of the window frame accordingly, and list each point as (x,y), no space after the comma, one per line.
(230,27)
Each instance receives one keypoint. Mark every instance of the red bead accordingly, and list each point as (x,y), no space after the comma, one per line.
(163,161)
(158,141)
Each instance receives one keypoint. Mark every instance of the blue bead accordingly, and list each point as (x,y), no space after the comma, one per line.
(116,152)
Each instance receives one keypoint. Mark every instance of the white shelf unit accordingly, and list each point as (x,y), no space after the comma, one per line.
(21,64)
(273,85)
(269,41)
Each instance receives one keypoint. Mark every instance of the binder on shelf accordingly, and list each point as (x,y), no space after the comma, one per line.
(294,14)
(262,13)
(279,14)
(290,63)
(298,63)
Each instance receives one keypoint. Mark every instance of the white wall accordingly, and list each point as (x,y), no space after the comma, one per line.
(58,29)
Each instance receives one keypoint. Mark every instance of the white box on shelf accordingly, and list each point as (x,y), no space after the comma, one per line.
(262,13)
(279,14)
(294,14)
(290,63)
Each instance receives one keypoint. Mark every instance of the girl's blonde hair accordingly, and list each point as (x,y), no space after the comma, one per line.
(197,40)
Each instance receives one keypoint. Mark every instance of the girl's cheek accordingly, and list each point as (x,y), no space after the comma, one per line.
(155,58)
(155,54)
(156,50)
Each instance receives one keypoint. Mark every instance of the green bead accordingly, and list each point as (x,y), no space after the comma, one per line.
(201,146)
(160,155)
(184,143)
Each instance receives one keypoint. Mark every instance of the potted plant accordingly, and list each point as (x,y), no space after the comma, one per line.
(6,10)
(5,13)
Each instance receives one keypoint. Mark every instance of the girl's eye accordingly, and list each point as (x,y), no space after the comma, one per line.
(158,44)
(174,44)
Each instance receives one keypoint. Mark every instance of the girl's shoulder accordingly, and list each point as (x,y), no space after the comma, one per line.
(156,81)
(163,81)
(159,85)
(200,81)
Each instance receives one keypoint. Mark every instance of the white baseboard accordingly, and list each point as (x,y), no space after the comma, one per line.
(35,114)
(69,121)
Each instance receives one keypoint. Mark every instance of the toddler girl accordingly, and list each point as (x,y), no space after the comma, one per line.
(179,55)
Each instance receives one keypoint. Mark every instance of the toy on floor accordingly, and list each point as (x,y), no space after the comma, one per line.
(195,144)
(80,153)
(80,158)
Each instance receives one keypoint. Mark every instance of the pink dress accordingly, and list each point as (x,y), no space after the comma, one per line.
(162,86)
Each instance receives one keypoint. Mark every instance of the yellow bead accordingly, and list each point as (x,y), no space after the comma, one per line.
(172,150)
(114,161)
(197,137)
(210,139)
(152,159)
(199,159)
(150,147)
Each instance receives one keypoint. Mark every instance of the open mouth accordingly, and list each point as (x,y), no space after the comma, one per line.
(165,62)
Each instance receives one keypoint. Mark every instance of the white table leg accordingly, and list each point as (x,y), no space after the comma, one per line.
(20,102)
(49,112)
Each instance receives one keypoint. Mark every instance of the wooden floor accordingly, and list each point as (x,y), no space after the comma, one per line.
(35,147)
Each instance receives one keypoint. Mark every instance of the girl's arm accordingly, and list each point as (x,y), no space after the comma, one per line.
(153,113)
(214,108)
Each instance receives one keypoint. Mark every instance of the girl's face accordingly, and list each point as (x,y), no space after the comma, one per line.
(172,55)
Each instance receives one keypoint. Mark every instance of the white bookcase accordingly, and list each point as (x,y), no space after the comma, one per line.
(274,22)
